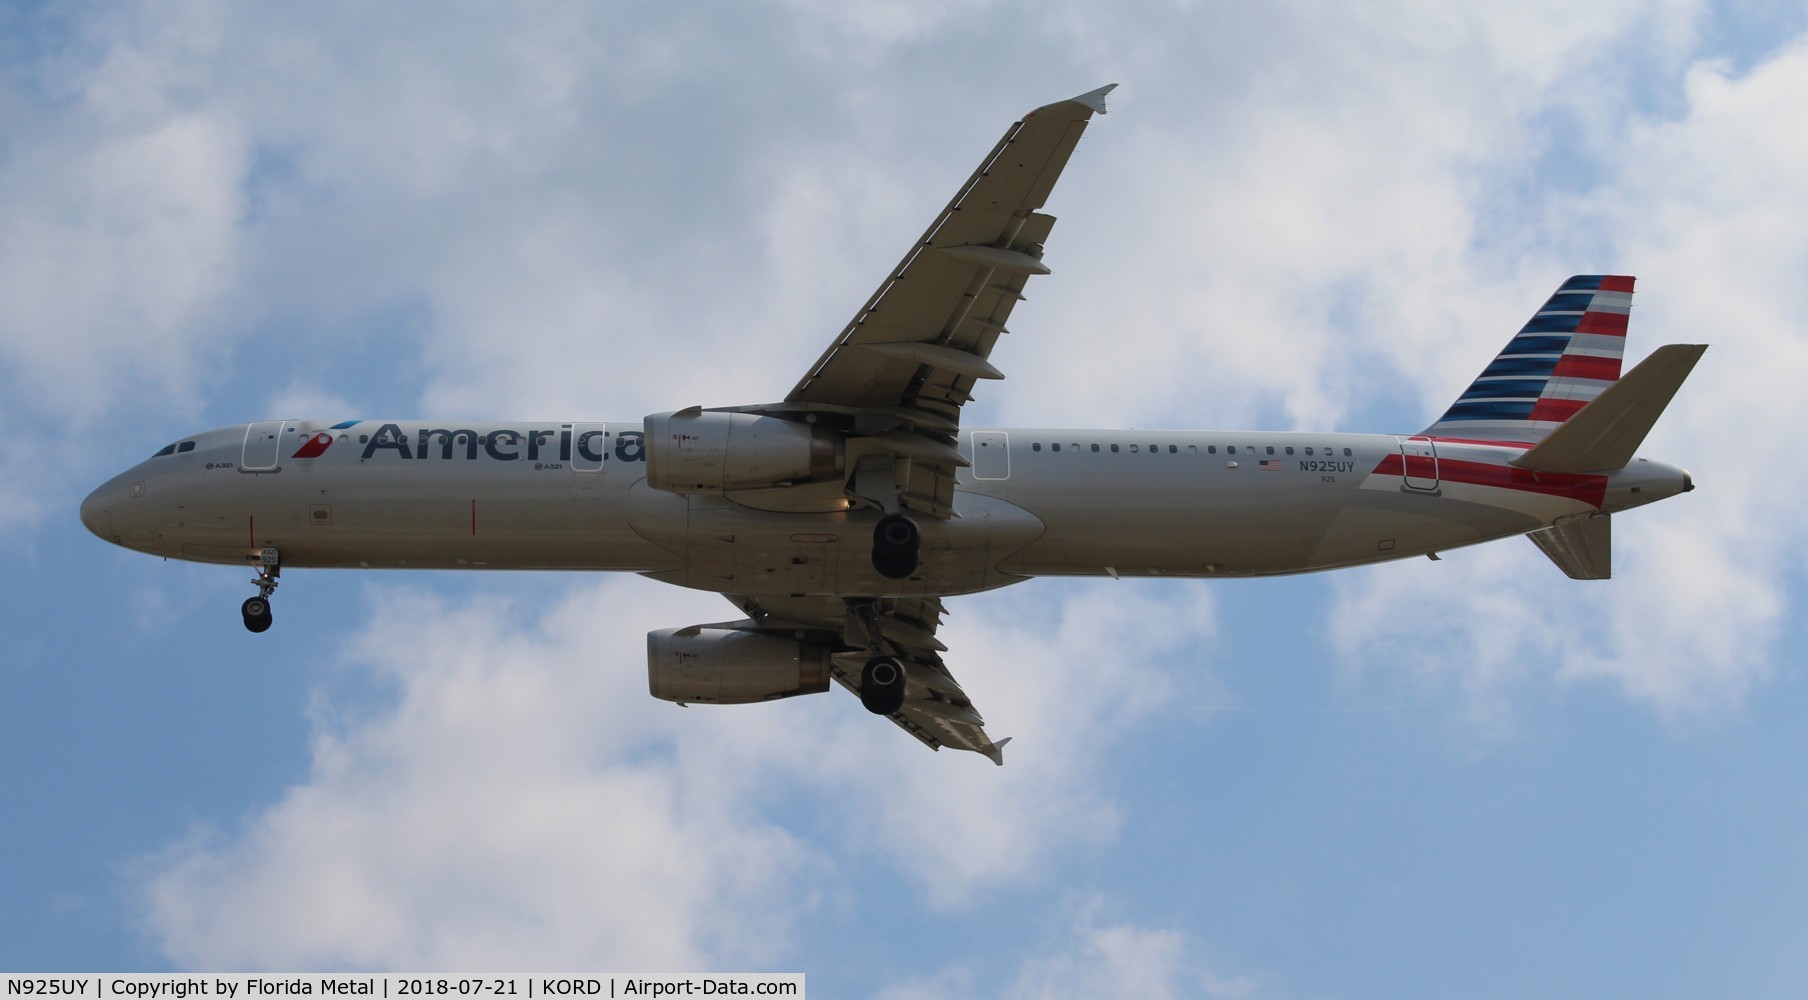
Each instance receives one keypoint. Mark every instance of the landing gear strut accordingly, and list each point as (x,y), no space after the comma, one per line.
(257,609)
(896,541)
(882,679)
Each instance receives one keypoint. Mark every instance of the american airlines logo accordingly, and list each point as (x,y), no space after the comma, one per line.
(504,445)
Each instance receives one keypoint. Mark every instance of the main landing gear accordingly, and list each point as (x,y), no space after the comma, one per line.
(882,679)
(896,542)
(257,609)
(882,685)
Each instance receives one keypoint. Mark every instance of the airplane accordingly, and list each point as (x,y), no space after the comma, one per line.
(839,519)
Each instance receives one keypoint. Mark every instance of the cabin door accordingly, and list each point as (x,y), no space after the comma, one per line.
(1421,458)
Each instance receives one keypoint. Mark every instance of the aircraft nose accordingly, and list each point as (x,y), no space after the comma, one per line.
(97,514)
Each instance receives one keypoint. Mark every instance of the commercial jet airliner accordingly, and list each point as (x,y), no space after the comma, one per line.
(839,518)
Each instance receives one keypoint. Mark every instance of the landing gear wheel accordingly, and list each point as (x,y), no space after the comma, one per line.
(896,542)
(882,685)
(257,614)
(257,609)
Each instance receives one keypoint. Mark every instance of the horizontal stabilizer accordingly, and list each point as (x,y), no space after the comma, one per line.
(1582,548)
(1603,435)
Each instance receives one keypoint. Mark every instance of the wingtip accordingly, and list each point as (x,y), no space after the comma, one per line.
(1095,99)
(996,754)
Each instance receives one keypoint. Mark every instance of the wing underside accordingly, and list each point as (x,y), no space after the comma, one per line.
(893,383)
(936,710)
(902,368)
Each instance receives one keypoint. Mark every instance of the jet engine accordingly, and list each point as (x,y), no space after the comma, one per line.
(719,666)
(697,451)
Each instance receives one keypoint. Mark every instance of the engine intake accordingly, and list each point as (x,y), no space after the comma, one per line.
(695,451)
(716,666)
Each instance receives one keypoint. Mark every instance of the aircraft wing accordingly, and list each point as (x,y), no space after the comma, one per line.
(912,355)
(935,708)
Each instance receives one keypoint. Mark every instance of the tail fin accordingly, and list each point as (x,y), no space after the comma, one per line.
(1564,356)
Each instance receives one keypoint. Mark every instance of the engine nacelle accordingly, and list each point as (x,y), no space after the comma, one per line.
(718,666)
(694,451)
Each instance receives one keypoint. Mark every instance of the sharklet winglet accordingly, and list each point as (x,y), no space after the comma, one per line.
(1095,99)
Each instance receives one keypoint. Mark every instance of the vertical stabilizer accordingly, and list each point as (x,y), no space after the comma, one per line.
(1564,356)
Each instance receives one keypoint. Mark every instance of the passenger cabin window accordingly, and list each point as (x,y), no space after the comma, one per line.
(1056,446)
(1308,452)
(1271,449)
(1174,451)
(1114,447)
(1230,449)
(1346,452)
(1036,447)
(1095,447)
(1211,449)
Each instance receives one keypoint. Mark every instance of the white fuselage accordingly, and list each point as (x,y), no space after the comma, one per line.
(1034,502)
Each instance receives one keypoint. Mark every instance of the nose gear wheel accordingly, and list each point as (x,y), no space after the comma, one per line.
(256,610)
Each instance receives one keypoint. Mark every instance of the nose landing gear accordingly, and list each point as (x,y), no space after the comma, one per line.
(257,613)
(256,610)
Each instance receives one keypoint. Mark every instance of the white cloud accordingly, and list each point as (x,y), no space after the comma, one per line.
(305,400)
(1695,205)
(519,805)
(525,803)
(1316,217)
(1124,960)
(115,248)
(1067,679)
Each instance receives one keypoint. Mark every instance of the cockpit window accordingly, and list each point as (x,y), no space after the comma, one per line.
(185,447)
(168,449)
(171,449)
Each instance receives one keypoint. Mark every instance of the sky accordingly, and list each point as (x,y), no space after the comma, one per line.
(1471,777)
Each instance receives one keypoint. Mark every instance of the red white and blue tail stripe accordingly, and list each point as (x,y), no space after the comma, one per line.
(1565,355)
